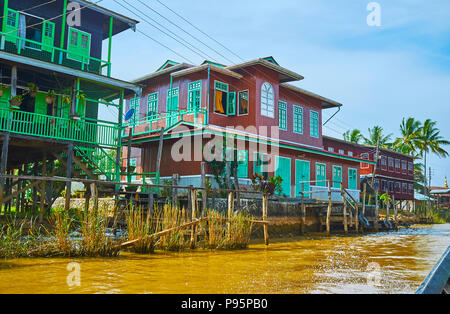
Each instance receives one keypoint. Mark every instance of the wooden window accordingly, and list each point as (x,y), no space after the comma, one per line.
(298,120)
(314,124)
(383,163)
(397,165)
(282,115)
(331,149)
(410,188)
(397,187)
(267,100)
(152,105)
(405,188)
(376,184)
(243,103)
(404,166)
(410,168)
(391,164)
(350,153)
(342,152)
(365,165)
(352,179)
(195,95)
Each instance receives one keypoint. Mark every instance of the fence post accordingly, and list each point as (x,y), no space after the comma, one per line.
(94,193)
(364,199)
(329,208)
(203,183)
(344,211)
(175,191)
(264,212)
(376,210)
(230,212)
(193,216)
(302,212)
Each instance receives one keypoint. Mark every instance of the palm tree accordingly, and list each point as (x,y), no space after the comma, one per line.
(430,141)
(377,133)
(410,132)
(354,136)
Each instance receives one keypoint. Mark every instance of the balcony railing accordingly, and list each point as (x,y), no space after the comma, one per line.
(33,124)
(12,43)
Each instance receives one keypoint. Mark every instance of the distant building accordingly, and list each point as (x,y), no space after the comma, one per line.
(441,195)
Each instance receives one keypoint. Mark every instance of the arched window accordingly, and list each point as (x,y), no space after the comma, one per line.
(267,100)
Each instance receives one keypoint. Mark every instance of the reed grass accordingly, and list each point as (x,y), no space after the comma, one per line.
(139,226)
(166,218)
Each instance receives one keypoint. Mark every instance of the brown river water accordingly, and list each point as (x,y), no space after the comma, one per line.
(392,262)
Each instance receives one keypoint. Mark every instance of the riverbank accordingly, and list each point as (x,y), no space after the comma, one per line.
(388,262)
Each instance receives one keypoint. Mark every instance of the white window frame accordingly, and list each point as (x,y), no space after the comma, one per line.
(266,96)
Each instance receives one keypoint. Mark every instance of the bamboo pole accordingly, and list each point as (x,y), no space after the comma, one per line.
(264,213)
(193,216)
(230,213)
(329,209)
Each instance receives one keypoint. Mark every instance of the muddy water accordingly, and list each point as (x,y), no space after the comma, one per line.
(394,262)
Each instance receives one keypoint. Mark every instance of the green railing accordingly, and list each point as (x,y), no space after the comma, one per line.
(39,125)
(49,53)
(100,161)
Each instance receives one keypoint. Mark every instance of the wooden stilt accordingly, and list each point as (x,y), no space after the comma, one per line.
(203,184)
(364,199)
(344,212)
(42,189)
(236,186)
(193,217)
(329,209)
(303,213)
(265,204)
(69,175)
(175,190)
(230,212)
(94,193)
(87,199)
(376,211)
(34,192)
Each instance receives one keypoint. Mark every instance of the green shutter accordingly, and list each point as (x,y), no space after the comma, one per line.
(172,106)
(282,115)
(231,107)
(48,36)
(337,176)
(11,25)
(242,169)
(4,100)
(314,123)
(298,120)
(79,43)
(194,101)
(321,174)
(152,105)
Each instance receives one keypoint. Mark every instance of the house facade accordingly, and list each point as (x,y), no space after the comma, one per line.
(394,171)
(277,126)
(53,83)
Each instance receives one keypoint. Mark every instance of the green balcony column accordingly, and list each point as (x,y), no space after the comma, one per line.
(63,30)
(111,25)
(5,12)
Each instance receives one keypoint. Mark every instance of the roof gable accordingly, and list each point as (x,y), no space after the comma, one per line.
(167,64)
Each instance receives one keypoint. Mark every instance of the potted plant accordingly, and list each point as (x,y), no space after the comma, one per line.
(2,88)
(50,97)
(16,101)
(32,89)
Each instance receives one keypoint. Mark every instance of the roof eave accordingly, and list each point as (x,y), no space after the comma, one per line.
(326,103)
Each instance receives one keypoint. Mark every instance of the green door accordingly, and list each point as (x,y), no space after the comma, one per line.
(283,169)
(337,177)
(352,179)
(11,25)
(172,106)
(321,174)
(48,37)
(302,174)
(242,169)
(79,44)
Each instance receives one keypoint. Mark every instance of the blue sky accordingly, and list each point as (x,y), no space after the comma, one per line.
(380,74)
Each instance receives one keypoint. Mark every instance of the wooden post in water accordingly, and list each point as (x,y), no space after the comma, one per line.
(357,217)
(42,191)
(364,199)
(376,210)
(175,191)
(387,205)
(344,211)
(193,216)
(302,212)
(230,212)
(94,193)
(395,208)
(69,175)
(329,209)
(203,183)
(236,186)
(264,214)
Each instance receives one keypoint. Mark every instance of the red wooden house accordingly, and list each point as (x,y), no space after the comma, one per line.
(394,171)
(253,101)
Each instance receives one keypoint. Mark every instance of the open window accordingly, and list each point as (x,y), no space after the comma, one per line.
(243,103)
(224,100)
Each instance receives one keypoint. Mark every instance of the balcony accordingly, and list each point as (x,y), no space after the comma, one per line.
(12,43)
(64,129)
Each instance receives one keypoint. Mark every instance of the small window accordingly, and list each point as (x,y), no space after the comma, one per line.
(84,41)
(331,149)
(282,115)
(405,188)
(135,104)
(298,120)
(12,18)
(221,98)
(391,163)
(243,103)
(411,188)
(350,153)
(404,166)
(397,187)
(342,152)
(74,38)
(410,168)
(366,157)
(267,100)
(383,163)
(314,124)
(48,30)
(397,165)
